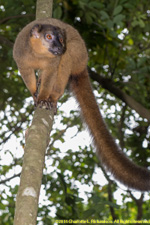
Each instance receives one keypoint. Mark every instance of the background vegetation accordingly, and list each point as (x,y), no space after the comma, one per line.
(117,37)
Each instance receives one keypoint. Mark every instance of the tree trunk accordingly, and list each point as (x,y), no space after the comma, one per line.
(37,140)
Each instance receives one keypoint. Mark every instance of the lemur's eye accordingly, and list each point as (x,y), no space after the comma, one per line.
(61,40)
(48,36)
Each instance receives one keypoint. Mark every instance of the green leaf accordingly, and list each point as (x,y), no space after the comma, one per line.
(117,10)
(57,12)
(77,199)
(118,18)
(109,24)
(137,22)
(96,5)
(113,34)
(130,41)
(88,213)
(88,18)
(114,205)
(141,24)
(104,15)
(63,181)
(96,199)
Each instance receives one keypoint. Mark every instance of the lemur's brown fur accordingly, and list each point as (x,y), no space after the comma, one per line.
(62,59)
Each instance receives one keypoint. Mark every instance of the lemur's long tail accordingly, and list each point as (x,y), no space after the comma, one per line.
(112,157)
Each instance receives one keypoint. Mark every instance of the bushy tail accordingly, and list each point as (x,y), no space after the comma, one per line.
(112,157)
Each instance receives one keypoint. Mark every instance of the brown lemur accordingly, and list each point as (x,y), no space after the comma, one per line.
(58,50)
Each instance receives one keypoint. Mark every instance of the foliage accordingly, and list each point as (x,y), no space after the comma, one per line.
(117,37)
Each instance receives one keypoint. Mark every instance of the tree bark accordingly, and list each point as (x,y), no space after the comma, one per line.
(44,9)
(37,140)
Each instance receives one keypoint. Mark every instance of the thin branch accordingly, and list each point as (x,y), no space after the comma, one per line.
(120,127)
(15,17)
(131,102)
(14,128)
(139,203)
(57,137)
(10,178)
(110,193)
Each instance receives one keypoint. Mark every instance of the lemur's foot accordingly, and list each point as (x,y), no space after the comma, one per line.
(48,105)
(45,104)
